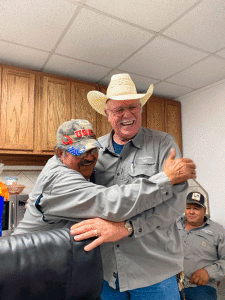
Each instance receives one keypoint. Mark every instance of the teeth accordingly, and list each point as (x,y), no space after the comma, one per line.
(127,123)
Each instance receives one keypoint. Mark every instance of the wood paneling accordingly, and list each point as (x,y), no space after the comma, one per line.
(103,126)
(155,113)
(54,108)
(80,108)
(17,109)
(173,120)
(34,104)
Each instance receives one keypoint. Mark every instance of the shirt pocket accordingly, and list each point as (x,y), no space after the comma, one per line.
(205,242)
(142,168)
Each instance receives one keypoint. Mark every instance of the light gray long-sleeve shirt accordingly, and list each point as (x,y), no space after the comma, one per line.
(204,248)
(154,252)
(66,196)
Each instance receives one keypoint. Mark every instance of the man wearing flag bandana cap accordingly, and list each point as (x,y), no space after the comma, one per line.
(63,194)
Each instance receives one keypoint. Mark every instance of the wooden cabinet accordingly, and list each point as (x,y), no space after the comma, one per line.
(103,126)
(17,110)
(173,120)
(80,106)
(33,105)
(165,115)
(53,107)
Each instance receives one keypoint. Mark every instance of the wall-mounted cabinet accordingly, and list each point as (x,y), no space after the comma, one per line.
(165,115)
(53,107)
(80,107)
(17,109)
(34,104)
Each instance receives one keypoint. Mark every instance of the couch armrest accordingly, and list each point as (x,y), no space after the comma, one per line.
(48,265)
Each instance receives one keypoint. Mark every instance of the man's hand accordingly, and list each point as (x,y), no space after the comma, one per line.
(179,170)
(105,231)
(199,277)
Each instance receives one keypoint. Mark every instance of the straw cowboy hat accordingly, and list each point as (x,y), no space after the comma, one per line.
(121,87)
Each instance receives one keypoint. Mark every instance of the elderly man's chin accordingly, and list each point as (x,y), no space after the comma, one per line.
(128,132)
(86,171)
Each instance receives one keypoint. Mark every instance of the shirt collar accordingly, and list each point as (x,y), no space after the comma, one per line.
(137,140)
(206,222)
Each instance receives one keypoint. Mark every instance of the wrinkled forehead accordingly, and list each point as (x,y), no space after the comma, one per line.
(194,205)
(118,103)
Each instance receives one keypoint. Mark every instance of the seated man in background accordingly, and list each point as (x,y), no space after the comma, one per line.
(204,250)
(63,193)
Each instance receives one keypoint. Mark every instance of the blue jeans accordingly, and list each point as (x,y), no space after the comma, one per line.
(200,292)
(165,290)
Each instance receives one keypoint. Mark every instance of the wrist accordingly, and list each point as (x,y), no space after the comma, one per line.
(128,225)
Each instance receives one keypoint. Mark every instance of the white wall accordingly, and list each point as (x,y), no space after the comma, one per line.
(203,128)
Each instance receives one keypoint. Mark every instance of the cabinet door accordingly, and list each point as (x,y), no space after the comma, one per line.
(80,107)
(103,126)
(17,109)
(173,120)
(155,113)
(53,109)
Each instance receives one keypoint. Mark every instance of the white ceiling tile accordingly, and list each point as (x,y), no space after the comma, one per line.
(203,73)
(141,83)
(203,27)
(154,14)
(21,56)
(74,68)
(166,89)
(221,52)
(99,39)
(34,23)
(161,58)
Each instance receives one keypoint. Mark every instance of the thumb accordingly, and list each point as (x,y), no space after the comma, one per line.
(172,154)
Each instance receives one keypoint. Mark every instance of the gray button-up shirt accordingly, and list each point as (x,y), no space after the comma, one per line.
(204,247)
(154,252)
(65,196)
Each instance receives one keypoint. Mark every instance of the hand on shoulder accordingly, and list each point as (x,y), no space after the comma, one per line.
(179,170)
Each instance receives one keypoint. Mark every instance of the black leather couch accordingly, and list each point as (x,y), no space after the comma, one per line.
(48,265)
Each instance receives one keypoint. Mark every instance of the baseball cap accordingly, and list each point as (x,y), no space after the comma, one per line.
(196,198)
(76,136)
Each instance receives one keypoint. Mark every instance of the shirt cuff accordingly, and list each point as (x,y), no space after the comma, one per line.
(164,184)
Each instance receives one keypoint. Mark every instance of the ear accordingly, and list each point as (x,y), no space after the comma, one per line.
(106,112)
(59,152)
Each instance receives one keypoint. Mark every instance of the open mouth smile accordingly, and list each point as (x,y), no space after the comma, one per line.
(127,123)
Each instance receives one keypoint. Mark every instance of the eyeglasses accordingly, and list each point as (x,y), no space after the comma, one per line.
(121,110)
(92,152)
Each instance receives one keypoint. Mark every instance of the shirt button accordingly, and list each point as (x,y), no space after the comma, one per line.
(117,246)
(140,230)
(118,174)
(114,274)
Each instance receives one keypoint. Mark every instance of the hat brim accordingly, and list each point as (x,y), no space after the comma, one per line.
(195,202)
(83,146)
(98,100)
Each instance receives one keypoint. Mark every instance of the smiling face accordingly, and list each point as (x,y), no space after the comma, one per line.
(195,214)
(85,165)
(125,118)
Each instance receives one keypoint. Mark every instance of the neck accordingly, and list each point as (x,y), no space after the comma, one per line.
(189,226)
(120,140)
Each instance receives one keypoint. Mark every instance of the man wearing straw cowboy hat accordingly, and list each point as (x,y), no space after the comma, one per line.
(142,265)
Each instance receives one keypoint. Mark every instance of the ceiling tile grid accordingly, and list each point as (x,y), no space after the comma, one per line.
(99,39)
(178,45)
